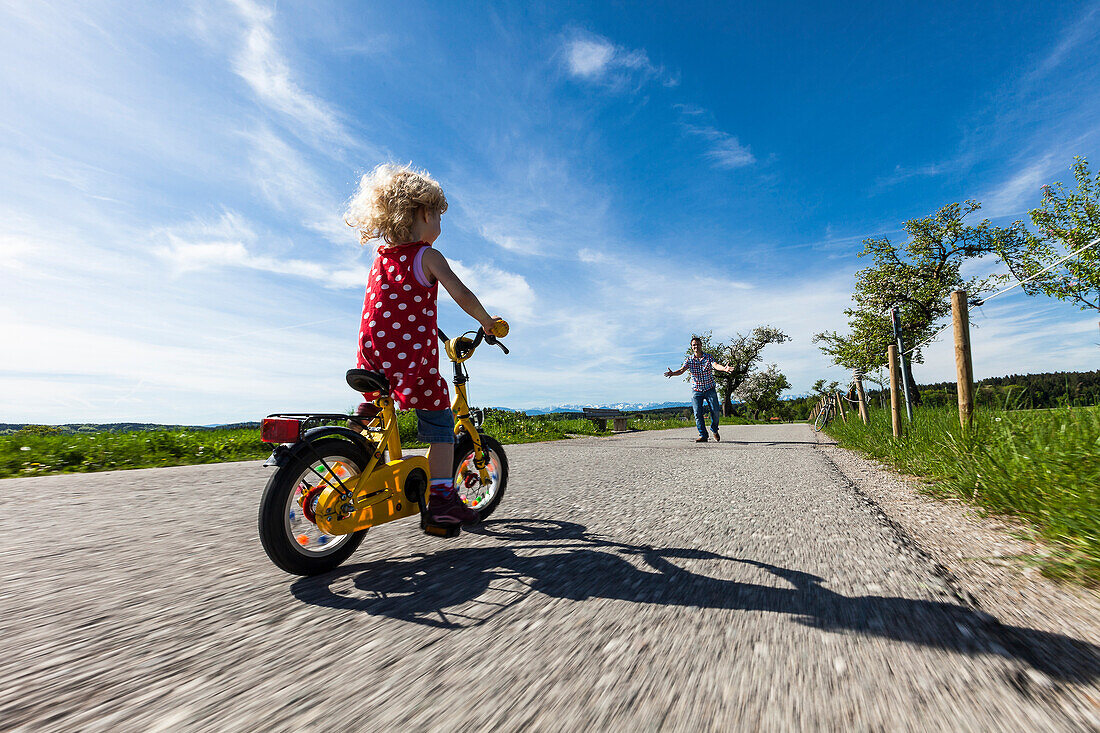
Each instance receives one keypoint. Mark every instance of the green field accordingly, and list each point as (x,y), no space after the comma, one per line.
(37,450)
(1041,466)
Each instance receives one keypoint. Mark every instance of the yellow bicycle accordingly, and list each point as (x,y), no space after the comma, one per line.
(333,482)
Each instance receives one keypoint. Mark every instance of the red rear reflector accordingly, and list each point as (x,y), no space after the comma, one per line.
(279,430)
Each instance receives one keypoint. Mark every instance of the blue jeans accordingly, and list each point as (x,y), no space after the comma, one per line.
(697,399)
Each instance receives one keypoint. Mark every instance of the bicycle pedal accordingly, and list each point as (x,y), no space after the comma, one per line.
(442,530)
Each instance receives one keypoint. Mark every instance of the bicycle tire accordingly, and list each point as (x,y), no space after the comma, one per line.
(463,467)
(278,512)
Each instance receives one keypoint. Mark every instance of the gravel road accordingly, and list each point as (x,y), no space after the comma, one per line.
(637,582)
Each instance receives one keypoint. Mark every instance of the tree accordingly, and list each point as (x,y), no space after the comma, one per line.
(741,354)
(1067,221)
(917,278)
(820,388)
(760,390)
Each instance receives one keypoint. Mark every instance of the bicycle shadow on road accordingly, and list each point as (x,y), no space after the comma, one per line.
(469,586)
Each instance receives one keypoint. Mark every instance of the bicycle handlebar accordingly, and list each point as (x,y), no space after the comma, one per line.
(479,336)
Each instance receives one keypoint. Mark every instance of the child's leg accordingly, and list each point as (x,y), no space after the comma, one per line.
(436,428)
(445,505)
(440,459)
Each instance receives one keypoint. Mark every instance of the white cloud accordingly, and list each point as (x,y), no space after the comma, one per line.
(902,173)
(531,204)
(590,256)
(589,58)
(499,291)
(595,59)
(15,252)
(200,245)
(1017,335)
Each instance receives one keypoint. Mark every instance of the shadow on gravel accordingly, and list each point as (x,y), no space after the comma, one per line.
(469,586)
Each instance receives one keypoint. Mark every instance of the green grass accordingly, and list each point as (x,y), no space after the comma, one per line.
(1041,466)
(27,453)
(41,451)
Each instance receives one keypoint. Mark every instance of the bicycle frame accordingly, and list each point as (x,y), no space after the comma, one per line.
(398,488)
(464,422)
(380,493)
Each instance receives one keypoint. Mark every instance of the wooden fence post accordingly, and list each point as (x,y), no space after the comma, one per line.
(895,400)
(963,366)
(863,414)
(840,407)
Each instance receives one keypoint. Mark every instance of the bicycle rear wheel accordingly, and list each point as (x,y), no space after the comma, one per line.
(289,536)
(823,418)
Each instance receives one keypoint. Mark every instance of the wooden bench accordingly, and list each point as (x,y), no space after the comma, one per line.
(600,416)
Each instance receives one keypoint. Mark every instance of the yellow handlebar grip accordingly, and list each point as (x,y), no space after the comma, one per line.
(500,328)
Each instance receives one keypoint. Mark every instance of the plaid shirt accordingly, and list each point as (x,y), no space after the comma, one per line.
(702,378)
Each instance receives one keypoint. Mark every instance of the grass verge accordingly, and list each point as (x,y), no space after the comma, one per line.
(38,452)
(1041,466)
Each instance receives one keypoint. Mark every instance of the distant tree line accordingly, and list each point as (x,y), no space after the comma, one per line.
(1017,391)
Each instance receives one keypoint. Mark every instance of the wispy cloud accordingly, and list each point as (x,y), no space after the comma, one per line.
(1036,121)
(901,174)
(1021,190)
(1084,29)
(723,150)
(596,59)
(533,203)
(229,241)
(290,183)
(261,63)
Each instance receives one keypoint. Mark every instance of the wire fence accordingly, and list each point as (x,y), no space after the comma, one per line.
(830,404)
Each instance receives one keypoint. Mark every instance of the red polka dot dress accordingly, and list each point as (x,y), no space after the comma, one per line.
(398,335)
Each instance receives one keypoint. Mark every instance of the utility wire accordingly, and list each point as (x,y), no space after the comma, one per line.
(1071,255)
(1026,280)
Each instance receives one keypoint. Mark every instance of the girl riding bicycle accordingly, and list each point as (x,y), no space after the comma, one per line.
(398,333)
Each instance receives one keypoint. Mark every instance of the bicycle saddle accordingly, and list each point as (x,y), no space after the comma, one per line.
(364,380)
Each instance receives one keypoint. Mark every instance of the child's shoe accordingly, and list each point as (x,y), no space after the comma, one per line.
(451,510)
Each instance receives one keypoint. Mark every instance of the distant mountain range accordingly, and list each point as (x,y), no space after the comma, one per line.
(624,406)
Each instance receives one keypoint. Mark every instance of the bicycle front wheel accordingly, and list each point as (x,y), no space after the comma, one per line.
(822,419)
(482,499)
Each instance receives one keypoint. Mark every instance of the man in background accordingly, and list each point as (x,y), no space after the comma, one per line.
(703,387)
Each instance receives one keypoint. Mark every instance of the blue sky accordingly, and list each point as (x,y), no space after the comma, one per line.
(620,176)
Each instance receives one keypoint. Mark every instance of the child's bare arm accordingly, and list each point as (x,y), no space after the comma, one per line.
(436,266)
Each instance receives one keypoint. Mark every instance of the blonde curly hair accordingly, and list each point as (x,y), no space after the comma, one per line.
(387,200)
